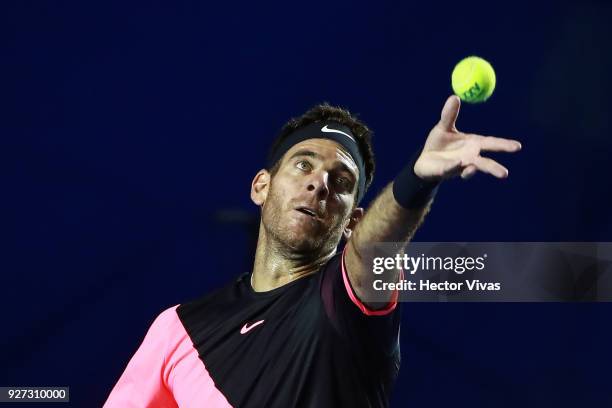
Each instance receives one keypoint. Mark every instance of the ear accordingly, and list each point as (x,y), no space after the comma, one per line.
(356,216)
(260,186)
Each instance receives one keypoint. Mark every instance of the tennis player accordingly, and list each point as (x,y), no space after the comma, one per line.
(300,329)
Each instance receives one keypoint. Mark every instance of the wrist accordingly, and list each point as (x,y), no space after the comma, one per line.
(411,191)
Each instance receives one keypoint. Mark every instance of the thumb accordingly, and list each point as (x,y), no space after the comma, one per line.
(450,111)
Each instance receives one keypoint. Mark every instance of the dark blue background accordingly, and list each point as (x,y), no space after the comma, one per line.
(130,134)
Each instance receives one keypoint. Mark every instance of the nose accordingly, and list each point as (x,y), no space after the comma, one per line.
(318,184)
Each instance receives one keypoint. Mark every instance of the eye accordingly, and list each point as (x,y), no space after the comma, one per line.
(343,182)
(303,165)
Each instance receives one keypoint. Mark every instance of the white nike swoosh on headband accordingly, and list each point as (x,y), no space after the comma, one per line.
(328,130)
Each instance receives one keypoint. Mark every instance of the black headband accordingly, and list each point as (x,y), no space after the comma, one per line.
(324,130)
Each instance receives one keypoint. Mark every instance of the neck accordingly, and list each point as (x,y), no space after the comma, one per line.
(276,265)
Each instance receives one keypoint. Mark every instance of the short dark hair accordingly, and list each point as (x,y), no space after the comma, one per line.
(325,112)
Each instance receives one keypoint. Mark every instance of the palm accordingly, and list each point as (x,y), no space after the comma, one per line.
(449,152)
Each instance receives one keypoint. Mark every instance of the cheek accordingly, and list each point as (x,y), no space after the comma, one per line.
(282,181)
(342,208)
(277,195)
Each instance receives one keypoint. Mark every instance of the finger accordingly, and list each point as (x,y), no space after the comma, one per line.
(497,144)
(490,166)
(450,111)
(468,172)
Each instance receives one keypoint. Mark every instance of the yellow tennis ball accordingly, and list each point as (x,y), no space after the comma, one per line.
(473,79)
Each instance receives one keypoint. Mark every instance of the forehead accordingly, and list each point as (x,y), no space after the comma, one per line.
(328,149)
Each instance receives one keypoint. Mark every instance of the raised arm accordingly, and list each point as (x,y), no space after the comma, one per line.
(399,210)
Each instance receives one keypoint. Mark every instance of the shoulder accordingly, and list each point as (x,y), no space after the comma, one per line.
(165,326)
(214,302)
(166,316)
(336,279)
(333,267)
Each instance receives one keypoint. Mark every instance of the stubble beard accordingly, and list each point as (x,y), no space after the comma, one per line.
(291,241)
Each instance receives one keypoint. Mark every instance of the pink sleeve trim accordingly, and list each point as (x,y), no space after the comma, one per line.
(142,383)
(365,309)
(166,371)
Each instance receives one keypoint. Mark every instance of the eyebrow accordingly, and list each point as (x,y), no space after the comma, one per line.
(315,155)
(307,153)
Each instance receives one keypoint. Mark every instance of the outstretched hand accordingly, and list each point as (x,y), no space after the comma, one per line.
(449,152)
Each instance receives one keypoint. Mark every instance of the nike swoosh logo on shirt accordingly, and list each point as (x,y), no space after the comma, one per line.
(328,130)
(246,328)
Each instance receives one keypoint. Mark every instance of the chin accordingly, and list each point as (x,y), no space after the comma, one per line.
(303,238)
(302,243)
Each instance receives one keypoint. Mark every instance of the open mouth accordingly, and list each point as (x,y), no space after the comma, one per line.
(307,211)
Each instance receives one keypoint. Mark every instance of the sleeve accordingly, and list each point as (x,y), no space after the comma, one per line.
(144,383)
(371,331)
(360,305)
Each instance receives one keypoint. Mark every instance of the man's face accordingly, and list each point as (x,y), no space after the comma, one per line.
(311,196)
